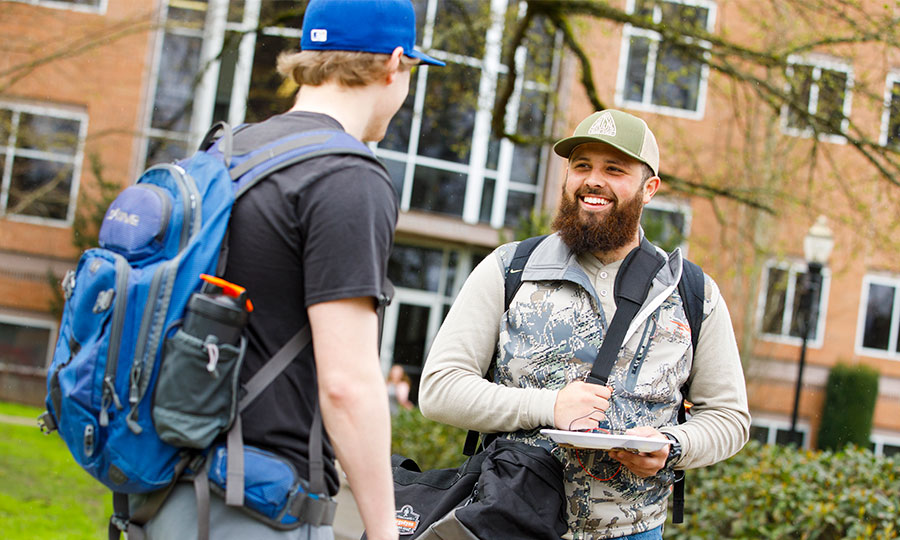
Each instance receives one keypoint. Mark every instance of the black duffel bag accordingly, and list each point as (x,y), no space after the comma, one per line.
(510,490)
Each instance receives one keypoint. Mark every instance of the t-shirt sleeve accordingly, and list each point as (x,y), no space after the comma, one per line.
(349,217)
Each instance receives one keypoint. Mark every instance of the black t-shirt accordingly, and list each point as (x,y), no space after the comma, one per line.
(314,232)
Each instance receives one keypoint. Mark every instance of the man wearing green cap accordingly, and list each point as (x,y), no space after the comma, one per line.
(546,342)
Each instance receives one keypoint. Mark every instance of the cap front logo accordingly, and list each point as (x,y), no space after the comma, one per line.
(319,35)
(603,125)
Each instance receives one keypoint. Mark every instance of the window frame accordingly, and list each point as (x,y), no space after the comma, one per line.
(678,206)
(773,425)
(892,78)
(878,441)
(818,64)
(436,301)
(30,322)
(76,160)
(212,35)
(99,9)
(646,104)
(889,281)
(794,267)
(475,170)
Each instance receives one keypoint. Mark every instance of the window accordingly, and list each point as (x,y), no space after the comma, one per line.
(40,162)
(207,54)
(24,343)
(667,223)
(879,318)
(890,120)
(821,88)
(887,446)
(662,76)
(779,317)
(89,6)
(440,149)
(426,279)
(776,432)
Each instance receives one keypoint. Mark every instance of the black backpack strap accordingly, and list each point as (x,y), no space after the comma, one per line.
(512,280)
(513,277)
(632,286)
(692,288)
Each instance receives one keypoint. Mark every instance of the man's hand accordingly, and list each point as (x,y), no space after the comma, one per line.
(580,405)
(643,464)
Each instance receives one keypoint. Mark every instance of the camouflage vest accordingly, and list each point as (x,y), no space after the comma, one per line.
(550,336)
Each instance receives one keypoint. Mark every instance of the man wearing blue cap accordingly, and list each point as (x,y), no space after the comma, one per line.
(311,244)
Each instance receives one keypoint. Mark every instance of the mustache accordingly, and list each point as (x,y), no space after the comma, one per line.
(605,193)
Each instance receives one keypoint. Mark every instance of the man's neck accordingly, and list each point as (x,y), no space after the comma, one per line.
(351,107)
(613,255)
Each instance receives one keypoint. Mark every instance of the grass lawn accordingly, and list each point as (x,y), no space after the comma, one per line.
(43,492)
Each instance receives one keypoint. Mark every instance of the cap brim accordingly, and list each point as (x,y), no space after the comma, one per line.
(565,146)
(424,58)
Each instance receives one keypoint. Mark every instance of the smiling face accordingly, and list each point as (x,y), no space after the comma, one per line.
(602,200)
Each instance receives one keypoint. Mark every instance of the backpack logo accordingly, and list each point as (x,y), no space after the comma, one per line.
(407,520)
(318,35)
(117,214)
(604,125)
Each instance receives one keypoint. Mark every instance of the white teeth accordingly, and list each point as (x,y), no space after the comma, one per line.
(595,200)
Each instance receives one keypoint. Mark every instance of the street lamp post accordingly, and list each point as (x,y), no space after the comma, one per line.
(817,247)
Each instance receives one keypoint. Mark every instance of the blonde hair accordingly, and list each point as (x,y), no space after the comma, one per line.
(347,68)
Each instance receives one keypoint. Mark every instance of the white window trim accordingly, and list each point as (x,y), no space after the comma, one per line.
(625,50)
(18,320)
(679,206)
(879,440)
(75,160)
(773,424)
(475,169)
(99,9)
(793,267)
(893,77)
(818,63)
(435,300)
(890,281)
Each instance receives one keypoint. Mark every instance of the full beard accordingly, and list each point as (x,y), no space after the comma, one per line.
(588,233)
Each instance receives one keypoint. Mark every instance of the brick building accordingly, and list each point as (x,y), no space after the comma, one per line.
(95,90)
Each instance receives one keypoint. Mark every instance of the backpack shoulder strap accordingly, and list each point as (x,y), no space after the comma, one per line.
(294,149)
(513,276)
(632,285)
(692,289)
(512,280)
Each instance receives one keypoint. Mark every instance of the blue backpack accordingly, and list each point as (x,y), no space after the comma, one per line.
(121,337)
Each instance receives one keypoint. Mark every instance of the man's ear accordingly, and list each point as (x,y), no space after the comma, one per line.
(393,64)
(651,186)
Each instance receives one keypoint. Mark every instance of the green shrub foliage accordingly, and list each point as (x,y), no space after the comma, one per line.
(430,444)
(850,395)
(779,492)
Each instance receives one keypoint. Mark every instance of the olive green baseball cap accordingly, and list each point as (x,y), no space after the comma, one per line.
(618,129)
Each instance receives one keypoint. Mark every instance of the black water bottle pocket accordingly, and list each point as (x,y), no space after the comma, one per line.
(197,390)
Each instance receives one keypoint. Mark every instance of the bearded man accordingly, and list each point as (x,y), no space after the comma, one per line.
(545,343)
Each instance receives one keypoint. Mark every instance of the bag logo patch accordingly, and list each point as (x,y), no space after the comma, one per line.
(407,520)
(118,214)
(604,125)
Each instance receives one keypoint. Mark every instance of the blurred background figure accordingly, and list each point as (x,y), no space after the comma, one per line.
(398,385)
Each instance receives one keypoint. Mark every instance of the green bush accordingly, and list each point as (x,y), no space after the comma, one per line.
(779,492)
(850,395)
(432,445)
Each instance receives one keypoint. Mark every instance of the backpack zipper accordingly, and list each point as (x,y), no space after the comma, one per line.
(144,358)
(108,394)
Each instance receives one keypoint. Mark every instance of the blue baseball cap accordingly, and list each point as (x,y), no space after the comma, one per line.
(374,26)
